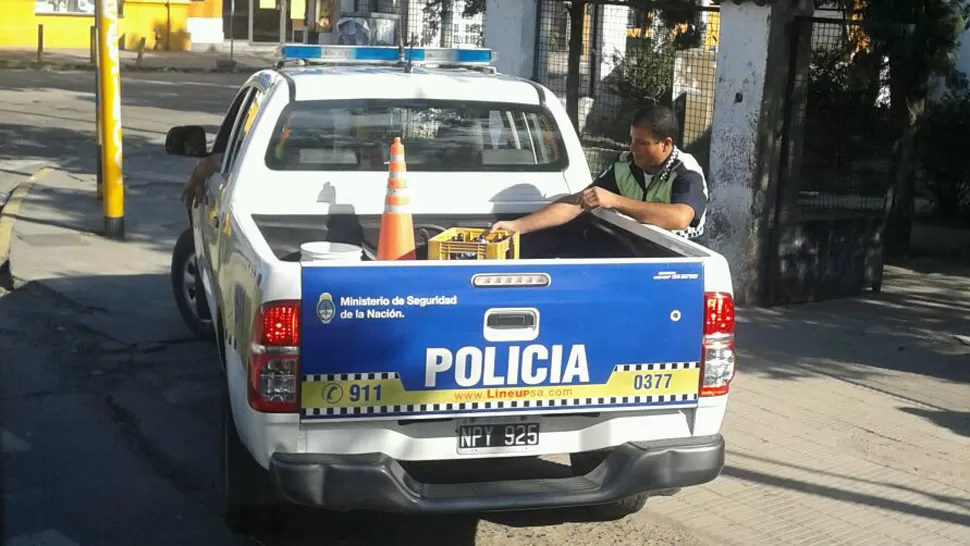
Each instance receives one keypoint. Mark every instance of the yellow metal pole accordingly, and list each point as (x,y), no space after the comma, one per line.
(40,45)
(109,76)
(99,124)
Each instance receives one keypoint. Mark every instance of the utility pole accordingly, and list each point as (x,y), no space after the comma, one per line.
(99,123)
(109,101)
(447,23)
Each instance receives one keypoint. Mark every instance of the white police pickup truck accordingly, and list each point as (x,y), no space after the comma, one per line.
(373,384)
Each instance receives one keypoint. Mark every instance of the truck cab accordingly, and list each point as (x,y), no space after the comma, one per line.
(349,381)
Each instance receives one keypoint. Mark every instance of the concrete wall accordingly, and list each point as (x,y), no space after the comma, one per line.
(742,59)
(510,31)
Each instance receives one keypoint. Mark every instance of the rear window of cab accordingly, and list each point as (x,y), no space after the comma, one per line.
(438,136)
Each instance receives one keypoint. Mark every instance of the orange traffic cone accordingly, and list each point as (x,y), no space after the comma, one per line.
(397,227)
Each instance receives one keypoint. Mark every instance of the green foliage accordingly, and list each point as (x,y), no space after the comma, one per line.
(432,12)
(933,30)
(942,149)
(920,38)
(644,75)
(841,93)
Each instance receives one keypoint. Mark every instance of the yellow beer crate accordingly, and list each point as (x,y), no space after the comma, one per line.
(464,244)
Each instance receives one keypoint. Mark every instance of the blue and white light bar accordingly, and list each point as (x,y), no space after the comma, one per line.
(386,54)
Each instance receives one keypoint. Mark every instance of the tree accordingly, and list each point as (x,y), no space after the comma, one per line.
(436,11)
(920,39)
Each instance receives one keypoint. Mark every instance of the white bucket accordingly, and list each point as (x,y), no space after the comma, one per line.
(329,251)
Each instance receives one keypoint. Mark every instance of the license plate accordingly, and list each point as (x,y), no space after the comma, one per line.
(486,436)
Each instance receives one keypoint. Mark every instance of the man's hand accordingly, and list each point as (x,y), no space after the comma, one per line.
(597,197)
(505,225)
(192,193)
(195,187)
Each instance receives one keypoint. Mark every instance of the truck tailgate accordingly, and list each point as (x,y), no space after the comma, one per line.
(473,338)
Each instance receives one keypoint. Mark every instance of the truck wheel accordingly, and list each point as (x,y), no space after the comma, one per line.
(584,463)
(187,286)
(248,502)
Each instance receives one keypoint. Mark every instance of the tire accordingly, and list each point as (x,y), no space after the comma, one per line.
(187,287)
(584,463)
(248,500)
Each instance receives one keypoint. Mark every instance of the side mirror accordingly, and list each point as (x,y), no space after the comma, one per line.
(186,140)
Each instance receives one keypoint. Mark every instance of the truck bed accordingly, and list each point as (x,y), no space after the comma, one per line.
(585,237)
(405,340)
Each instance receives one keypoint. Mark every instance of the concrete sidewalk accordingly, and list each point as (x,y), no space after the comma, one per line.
(849,421)
(152,61)
(122,286)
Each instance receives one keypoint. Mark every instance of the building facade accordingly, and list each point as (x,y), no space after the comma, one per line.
(182,25)
(167,25)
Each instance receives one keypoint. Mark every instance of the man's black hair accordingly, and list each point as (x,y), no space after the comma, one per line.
(659,119)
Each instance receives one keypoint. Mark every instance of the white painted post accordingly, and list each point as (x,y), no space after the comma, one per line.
(510,31)
(742,59)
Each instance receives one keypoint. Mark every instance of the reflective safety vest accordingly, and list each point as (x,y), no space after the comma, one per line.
(658,188)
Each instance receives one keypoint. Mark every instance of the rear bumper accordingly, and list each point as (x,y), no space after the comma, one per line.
(379,483)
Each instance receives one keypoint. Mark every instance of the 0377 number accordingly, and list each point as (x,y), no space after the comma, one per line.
(651,381)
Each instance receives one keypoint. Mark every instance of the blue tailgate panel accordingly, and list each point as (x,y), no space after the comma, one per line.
(393,341)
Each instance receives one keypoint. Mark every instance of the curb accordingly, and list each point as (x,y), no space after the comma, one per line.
(128,67)
(12,208)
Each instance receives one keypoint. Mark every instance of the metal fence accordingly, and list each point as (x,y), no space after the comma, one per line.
(426,20)
(606,58)
(847,138)
(838,148)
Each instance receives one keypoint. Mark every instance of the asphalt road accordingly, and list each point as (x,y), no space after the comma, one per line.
(113,445)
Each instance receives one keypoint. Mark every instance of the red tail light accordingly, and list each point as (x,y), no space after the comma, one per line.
(274,360)
(718,314)
(718,355)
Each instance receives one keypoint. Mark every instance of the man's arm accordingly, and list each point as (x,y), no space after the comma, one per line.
(195,186)
(556,213)
(665,215)
(560,211)
(687,203)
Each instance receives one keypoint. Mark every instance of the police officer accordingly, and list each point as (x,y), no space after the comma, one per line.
(654,182)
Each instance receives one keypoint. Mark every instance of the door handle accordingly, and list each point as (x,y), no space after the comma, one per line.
(511,324)
(512,320)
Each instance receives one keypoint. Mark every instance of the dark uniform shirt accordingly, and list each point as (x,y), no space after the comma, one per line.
(687,188)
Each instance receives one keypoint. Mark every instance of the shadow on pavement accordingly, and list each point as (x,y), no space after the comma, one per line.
(847,496)
(957,421)
(154,216)
(203,93)
(307,527)
(910,326)
(50,117)
(81,475)
(134,309)
(75,151)
(959,502)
